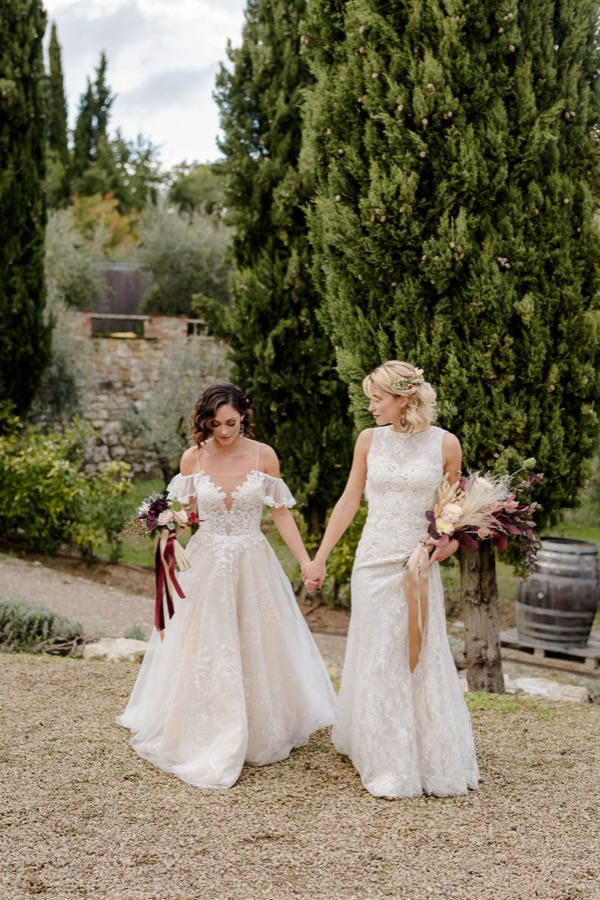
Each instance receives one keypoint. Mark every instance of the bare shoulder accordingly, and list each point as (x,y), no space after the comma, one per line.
(189,461)
(268,461)
(363,444)
(451,442)
(363,441)
(452,452)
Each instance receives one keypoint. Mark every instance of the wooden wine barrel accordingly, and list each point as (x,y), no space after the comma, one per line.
(558,601)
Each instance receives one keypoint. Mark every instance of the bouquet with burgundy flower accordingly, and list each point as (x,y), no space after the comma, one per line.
(487,507)
(476,508)
(161,518)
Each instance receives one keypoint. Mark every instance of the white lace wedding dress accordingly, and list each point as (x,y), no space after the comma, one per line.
(406,733)
(238,677)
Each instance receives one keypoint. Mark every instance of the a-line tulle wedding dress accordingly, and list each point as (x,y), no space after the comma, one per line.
(238,677)
(407,733)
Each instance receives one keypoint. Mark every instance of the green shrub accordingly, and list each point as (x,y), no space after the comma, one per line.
(336,589)
(70,261)
(25,627)
(135,633)
(186,255)
(46,497)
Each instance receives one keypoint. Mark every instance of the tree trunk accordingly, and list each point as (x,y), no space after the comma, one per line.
(314,520)
(481,617)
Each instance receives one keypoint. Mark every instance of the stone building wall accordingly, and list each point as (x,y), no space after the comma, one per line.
(120,373)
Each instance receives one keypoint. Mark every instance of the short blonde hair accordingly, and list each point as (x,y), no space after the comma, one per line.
(405,380)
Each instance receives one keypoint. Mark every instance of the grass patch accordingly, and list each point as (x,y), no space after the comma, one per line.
(317,747)
(506,705)
(573,527)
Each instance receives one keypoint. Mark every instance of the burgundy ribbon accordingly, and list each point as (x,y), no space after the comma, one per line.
(165,579)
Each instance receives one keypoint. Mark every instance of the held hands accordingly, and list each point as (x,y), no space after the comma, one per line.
(442,551)
(313,574)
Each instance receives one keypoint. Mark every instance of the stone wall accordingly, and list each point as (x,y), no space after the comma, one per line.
(120,373)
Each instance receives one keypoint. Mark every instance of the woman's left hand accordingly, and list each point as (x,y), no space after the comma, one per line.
(441,551)
(313,575)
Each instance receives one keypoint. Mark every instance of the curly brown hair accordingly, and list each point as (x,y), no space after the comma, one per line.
(209,402)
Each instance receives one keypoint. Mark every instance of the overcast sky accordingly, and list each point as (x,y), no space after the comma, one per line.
(162,59)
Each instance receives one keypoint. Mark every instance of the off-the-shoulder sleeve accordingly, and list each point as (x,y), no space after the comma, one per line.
(182,487)
(276,492)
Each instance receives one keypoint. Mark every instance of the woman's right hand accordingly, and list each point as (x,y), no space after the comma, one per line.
(313,574)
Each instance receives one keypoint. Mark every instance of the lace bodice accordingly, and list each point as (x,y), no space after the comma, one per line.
(233,513)
(229,520)
(403,473)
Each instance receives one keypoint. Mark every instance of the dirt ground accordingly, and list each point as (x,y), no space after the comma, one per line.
(82,816)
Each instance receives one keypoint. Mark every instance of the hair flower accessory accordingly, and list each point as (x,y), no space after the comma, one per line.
(245,401)
(408,384)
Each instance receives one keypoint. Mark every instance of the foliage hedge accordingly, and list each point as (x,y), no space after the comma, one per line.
(46,497)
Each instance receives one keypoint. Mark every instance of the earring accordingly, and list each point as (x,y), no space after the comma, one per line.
(242,429)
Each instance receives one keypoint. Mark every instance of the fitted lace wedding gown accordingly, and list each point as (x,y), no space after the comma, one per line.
(238,677)
(406,733)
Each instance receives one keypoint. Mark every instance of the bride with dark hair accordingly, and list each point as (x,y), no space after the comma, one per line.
(238,677)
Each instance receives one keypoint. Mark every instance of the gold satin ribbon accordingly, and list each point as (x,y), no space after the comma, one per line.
(415,584)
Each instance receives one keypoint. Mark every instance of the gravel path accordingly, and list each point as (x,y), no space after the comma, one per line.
(83,816)
(102,609)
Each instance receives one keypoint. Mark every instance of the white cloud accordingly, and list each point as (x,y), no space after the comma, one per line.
(162,59)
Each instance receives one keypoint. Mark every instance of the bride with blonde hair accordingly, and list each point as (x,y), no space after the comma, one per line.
(401,715)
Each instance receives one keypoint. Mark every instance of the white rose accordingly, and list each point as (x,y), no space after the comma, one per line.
(165,517)
(181,517)
(444,526)
(452,511)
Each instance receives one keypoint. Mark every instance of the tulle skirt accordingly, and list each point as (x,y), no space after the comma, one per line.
(238,677)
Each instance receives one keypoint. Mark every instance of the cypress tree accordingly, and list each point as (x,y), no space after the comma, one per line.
(280,353)
(91,144)
(457,177)
(57,104)
(103,100)
(83,138)
(24,334)
(58,148)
